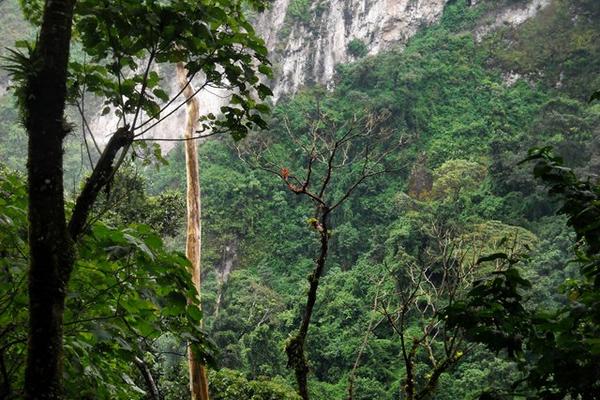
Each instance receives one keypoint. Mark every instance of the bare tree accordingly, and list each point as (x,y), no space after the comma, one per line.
(372,325)
(423,287)
(351,152)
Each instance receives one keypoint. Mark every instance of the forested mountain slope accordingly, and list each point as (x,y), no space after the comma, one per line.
(461,104)
(469,110)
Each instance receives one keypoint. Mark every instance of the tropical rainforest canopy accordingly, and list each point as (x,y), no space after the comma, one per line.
(427,227)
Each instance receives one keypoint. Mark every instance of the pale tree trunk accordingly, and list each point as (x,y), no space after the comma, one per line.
(198,378)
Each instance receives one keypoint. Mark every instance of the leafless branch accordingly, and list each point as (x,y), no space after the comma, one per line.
(157,139)
(173,111)
(371,326)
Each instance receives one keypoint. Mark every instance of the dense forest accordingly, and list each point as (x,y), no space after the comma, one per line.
(426,228)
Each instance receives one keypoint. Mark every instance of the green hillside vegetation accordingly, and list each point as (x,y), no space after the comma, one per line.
(403,247)
(457,177)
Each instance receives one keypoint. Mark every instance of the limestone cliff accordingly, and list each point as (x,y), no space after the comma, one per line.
(308,38)
(308,43)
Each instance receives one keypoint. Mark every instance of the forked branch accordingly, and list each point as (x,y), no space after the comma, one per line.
(336,160)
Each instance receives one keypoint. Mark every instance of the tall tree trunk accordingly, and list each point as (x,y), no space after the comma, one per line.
(51,239)
(198,377)
(295,346)
(51,248)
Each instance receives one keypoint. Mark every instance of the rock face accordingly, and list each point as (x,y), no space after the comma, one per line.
(308,40)
(513,15)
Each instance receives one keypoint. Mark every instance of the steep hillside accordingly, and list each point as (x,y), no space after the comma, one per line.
(469,106)
(308,39)
(464,89)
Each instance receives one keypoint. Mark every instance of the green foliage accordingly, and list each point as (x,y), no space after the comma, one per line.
(558,42)
(123,41)
(299,10)
(580,202)
(449,100)
(454,176)
(13,287)
(207,38)
(494,313)
(13,27)
(557,349)
(12,136)
(357,48)
(446,101)
(127,202)
(231,385)
(122,44)
(126,292)
(249,326)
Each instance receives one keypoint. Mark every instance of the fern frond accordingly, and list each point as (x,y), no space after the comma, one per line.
(20,62)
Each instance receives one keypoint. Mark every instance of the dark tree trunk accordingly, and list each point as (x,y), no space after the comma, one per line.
(295,347)
(51,249)
(51,239)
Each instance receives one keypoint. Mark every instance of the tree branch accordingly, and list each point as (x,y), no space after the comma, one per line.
(148,378)
(101,176)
